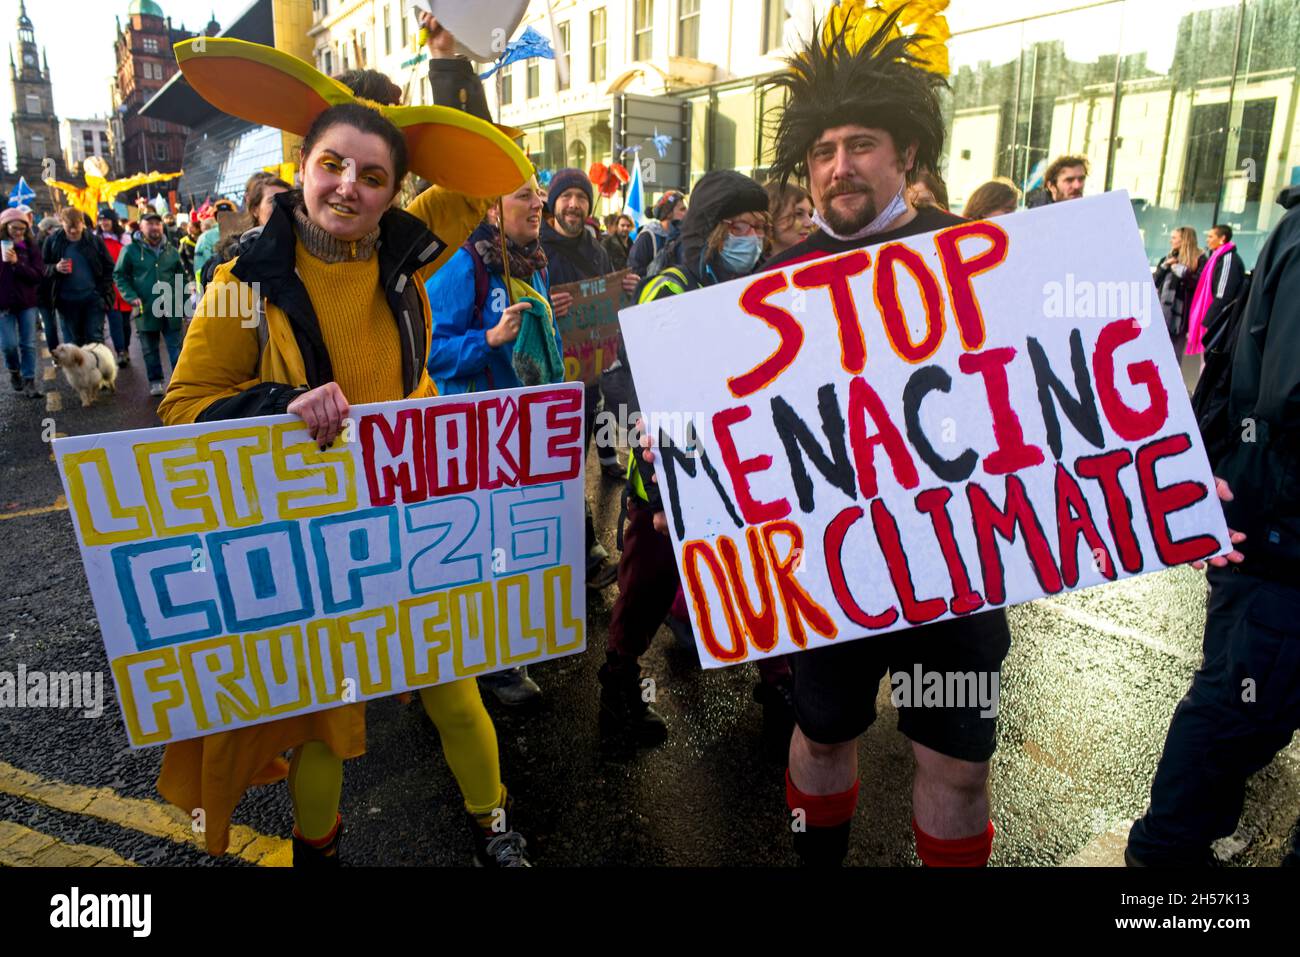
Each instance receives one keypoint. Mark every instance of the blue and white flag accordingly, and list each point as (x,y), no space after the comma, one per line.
(22,194)
(530,44)
(635,205)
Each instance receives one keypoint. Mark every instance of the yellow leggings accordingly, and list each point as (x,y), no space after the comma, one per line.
(469,743)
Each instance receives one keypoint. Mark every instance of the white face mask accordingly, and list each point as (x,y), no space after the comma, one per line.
(897,207)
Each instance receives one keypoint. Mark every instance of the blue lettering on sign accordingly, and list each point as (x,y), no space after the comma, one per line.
(440,564)
(146,630)
(266,566)
(526,526)
(347,543)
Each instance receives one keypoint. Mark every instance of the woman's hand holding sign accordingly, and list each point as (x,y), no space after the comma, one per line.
(322,410)
(1234,557)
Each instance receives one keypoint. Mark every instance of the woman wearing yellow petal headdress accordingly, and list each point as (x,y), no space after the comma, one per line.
(337,276)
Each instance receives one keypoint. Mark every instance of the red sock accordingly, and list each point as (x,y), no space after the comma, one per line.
(970,851)
(821,810)
(320,841)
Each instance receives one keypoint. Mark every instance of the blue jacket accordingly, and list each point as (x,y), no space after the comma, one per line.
(460,359)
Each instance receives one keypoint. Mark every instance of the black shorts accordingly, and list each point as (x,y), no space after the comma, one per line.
(835,687)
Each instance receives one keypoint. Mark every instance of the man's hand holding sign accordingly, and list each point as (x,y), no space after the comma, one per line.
(920,431)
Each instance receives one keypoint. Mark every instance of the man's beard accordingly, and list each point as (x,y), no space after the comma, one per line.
(570,225)
(846,224)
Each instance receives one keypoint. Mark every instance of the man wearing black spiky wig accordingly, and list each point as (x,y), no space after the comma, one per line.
(858,124)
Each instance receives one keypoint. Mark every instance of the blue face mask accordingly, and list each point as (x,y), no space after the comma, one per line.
(740,253)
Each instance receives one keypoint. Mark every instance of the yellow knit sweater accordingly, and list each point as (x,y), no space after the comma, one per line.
(356,324)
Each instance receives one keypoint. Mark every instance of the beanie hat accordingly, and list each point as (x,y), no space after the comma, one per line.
(667,204)
(566,179)
(12,216)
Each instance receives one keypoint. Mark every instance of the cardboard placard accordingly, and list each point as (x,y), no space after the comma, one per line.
(590,329)
(241,575)
(956,422)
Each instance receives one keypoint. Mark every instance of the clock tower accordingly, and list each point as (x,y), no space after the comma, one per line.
(36,128)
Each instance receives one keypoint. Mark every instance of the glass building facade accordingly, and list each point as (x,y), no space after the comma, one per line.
(1189,107)
(221,154)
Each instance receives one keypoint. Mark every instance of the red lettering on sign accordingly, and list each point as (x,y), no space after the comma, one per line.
(834,275)
(988,519)
(560,414)
(934,502)
(916,612)
(1012,453)
(450,447)
(498,430)
(754,511)
(891,309)
(1104,469)
(959,271)
(692,553)
(754,302)
(1162,502)
(864,403)
(833,545)
(1074,518)
(1129,423)
(404,447)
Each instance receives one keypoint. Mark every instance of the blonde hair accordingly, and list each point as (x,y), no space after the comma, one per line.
(1188,251)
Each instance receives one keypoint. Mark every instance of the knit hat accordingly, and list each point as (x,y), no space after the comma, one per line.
(667,204)
(12,216)
(565,179)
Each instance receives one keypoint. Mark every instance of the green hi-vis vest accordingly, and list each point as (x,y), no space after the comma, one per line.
(671,282)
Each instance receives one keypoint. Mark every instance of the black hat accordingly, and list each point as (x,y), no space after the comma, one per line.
(151,214)
(566,179)
(878,81)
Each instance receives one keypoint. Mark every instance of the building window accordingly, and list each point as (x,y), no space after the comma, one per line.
(563,36)
(33,103)
(329,62)
(773,25)
(598,45)
(643,29)
(88,142)
(688,29)
(160,151)
(507,86)
(38,146)
(401,16)
(534,80)
(388,34)
(150,45)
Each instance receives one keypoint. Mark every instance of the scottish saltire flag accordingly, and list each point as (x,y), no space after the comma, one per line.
(1035,177)
(22,194)
(530,44)
(635,204)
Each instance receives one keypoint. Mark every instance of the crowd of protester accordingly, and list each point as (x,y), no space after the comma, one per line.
(486,302)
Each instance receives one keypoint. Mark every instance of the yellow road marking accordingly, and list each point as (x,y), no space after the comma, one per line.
(60,505)
(22,847)
(148,817)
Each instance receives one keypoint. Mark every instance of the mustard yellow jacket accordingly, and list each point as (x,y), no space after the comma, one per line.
(233,366)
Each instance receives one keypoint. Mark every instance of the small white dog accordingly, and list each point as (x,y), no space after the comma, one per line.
(87,368)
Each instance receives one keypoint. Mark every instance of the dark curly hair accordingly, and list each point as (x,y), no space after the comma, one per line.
(880,86)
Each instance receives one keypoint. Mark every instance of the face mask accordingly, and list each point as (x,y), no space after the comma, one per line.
(740,253)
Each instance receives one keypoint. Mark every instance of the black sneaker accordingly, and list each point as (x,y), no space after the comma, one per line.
(623,710)
(309,856)
(123,359)
(16,380)
(505,848)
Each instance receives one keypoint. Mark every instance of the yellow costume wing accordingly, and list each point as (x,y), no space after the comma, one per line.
(267,86)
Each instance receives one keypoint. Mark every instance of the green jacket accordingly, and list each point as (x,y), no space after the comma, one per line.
(157,281)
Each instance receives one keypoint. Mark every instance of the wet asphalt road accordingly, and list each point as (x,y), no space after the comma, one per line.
(1086,696)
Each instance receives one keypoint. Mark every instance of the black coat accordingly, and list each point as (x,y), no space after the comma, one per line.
(93,248)
(573,259)
(1264,474)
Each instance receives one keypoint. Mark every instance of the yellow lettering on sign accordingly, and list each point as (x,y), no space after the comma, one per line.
(536,635)
(216,676)
(237,472)
(327,683)
(377,676)
(286,655)
(187,489)
(420,665)
(332,469)
(78,495)
(473,617)
(162,692)
(558,584)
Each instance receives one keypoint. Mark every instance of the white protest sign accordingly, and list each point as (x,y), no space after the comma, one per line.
(241,575)
(963,420)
